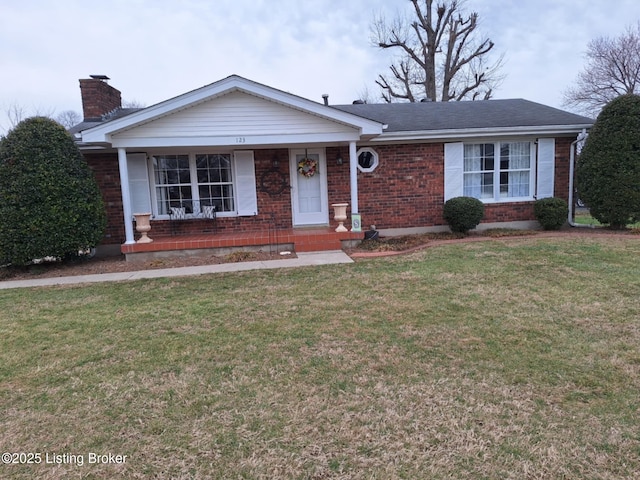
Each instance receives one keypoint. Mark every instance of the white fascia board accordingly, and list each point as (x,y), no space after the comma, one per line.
(103,133)
(463,134)
(235,142)
(92,147)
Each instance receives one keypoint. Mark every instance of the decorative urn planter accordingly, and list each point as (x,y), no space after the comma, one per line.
(340,215)
(143,225)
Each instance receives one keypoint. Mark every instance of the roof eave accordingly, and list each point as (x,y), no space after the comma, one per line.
(467,133)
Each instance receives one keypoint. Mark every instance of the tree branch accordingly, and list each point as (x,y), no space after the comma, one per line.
(436,52)
(612,69)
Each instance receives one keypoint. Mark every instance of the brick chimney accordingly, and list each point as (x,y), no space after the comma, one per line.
(98,97)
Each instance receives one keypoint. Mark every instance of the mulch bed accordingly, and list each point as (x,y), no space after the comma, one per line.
(410,243)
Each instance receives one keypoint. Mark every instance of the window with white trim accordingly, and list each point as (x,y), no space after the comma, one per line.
(487,176)
(193,182)
(367,159)
(215,185)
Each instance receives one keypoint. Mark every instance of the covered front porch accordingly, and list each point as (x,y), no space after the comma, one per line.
(271,240)
(235,164)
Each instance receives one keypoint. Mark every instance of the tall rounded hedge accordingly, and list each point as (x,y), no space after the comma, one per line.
(50,204)
(608,170)
(463,213)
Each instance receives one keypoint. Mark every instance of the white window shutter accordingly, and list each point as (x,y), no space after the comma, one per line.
(139,183)
(546,167)
(453,170)
(245,183)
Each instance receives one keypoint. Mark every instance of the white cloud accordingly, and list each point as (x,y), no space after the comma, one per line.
(157,49)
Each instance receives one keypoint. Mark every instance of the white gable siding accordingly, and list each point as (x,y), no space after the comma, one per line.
(235,114)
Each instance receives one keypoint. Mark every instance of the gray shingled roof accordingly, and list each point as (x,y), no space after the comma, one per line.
(437,116)
(425,116)
(87,124)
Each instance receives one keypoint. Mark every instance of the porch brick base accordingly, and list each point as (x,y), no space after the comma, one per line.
(303,240)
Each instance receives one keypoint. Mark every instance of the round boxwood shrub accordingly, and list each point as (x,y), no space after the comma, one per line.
(463,213)
(50,204)
(551,212)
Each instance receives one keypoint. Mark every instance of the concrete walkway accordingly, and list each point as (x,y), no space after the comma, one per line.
(303,260)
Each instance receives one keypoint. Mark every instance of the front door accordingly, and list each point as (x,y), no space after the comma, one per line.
(309,187)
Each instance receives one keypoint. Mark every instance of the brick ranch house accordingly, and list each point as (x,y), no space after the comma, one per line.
(238,163)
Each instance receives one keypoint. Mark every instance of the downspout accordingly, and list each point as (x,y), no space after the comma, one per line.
(572,160)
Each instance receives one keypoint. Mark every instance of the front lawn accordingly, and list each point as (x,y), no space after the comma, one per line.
(584,218)
(508,358)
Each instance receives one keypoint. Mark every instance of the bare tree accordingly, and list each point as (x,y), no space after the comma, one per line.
(613,69)
(133,104)
(365,96)
(440,57)
(68,118)
(15,113)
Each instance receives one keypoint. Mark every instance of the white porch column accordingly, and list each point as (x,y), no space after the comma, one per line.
(126,196)
(353,175)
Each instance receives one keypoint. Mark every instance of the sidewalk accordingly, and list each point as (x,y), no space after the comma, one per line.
(303,260)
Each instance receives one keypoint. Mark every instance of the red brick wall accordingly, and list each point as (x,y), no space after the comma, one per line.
(273,210)
(338,178)
(508,212)
(105,169)
(563,153)
(405,190)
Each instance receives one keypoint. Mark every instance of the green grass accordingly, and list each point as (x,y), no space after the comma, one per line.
(501,359)
(584,218)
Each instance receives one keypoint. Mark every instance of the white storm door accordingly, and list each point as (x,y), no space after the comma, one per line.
(309,193)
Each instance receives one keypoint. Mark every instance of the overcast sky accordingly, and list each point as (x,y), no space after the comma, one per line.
(157,49)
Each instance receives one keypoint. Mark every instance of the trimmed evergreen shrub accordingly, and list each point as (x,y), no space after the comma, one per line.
(463,213)
(551,212)
(608,170)
(50,204)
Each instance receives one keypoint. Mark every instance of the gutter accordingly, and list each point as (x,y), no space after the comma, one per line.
(488,132)
(572,161)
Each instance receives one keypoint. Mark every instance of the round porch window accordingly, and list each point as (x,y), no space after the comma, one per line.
(367,159)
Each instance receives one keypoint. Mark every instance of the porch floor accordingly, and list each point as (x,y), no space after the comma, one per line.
(299,239)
